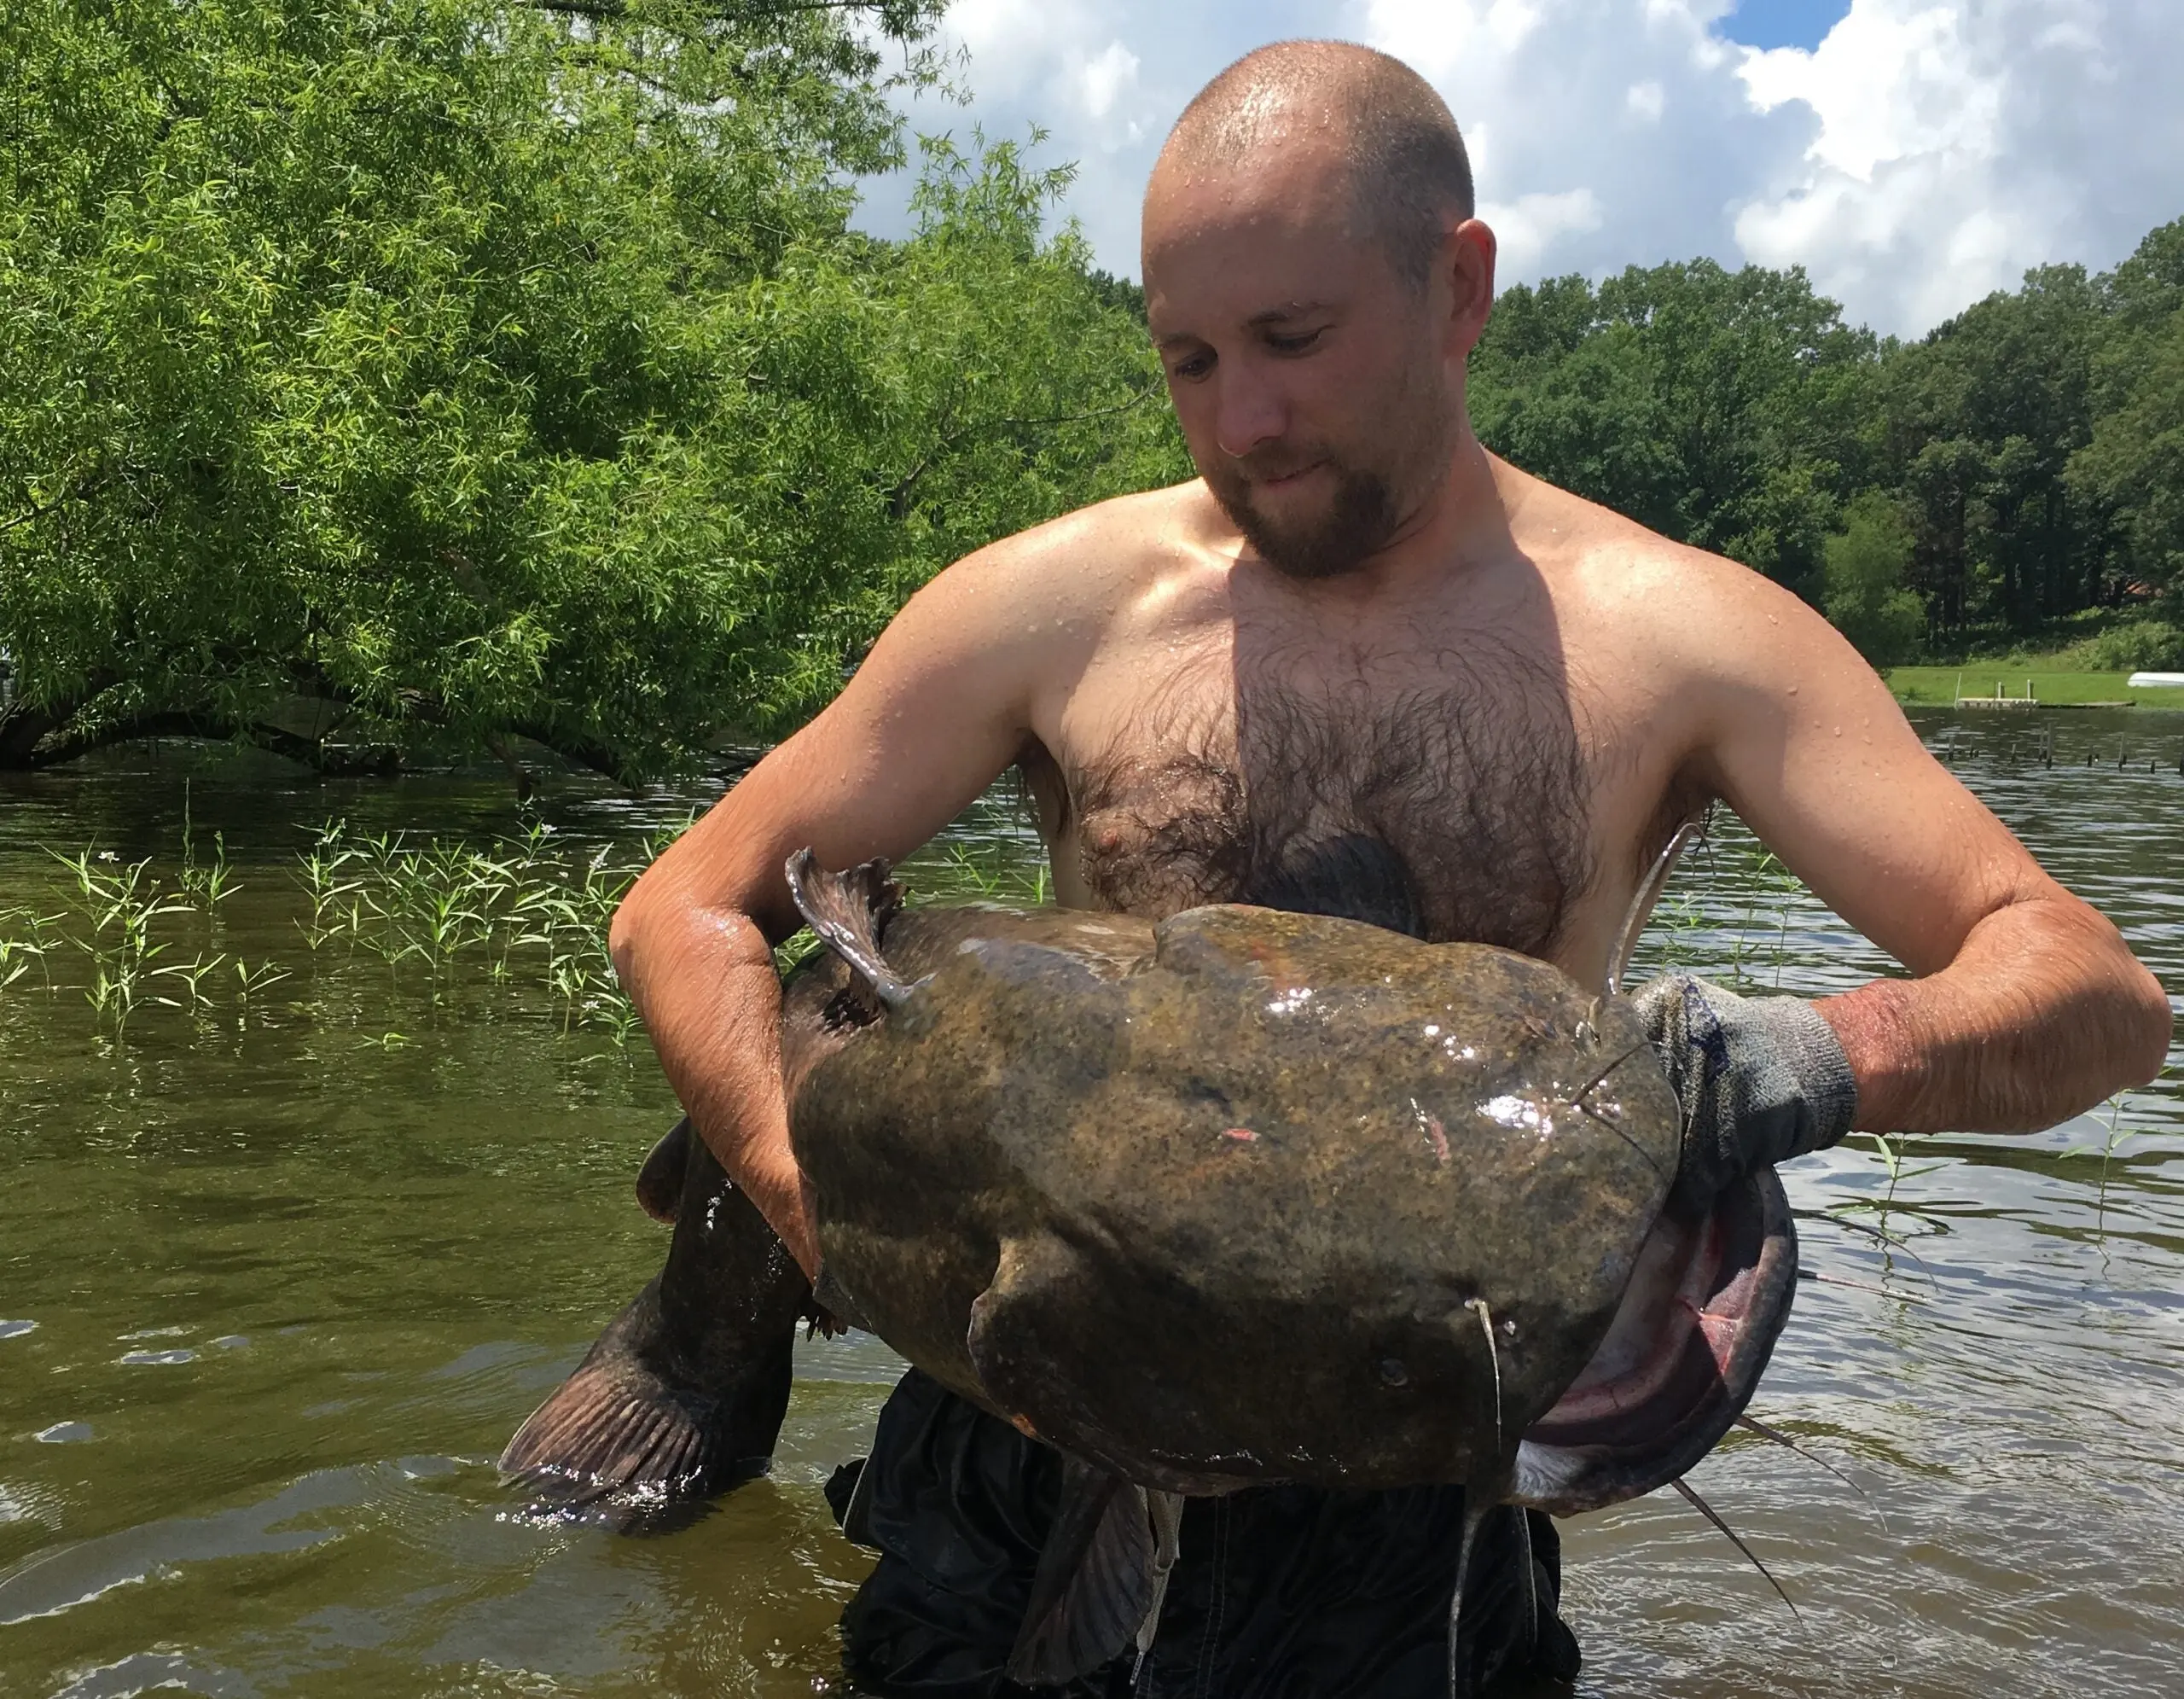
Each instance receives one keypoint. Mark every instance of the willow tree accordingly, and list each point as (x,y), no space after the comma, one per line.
(396,368)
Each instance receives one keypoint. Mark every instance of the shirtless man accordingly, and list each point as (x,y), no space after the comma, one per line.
(1358,641)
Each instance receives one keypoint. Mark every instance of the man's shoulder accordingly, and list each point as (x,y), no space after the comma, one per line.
(1094,559)
(1033,609)
(1606,567)
(1667,619)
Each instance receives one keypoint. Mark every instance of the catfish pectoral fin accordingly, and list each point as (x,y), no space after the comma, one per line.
(617,1426)
(1098,1580)
(660,1182)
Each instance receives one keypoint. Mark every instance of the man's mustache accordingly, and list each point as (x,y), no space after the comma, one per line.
(1265,464)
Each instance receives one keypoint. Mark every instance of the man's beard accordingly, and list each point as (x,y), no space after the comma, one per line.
(1361,516)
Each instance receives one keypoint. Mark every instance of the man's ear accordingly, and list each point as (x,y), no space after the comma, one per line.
(1467,255)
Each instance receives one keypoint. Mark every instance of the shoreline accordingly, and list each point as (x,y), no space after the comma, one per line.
(2007,686)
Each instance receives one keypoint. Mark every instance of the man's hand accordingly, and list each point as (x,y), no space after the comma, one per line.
(1761,1080)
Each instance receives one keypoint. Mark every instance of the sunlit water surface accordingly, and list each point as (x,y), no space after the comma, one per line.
(278,1276)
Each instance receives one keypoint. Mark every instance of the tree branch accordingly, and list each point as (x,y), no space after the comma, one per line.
(33,738)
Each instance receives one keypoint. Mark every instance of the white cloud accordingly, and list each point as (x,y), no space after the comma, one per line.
(1106,78)
(1529,226)
(1926,152)
(1959,144)
(1633,104)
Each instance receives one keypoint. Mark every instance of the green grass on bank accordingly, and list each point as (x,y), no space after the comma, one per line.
(1929,685)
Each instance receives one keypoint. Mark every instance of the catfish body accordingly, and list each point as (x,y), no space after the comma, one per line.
(1241,1195)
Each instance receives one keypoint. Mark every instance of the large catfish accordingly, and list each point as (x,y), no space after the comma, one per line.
(1241,1197)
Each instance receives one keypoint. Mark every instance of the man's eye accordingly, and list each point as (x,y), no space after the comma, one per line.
(1190,370)
(1293,345)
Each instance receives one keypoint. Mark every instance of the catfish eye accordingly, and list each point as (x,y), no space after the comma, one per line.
(1392,1372)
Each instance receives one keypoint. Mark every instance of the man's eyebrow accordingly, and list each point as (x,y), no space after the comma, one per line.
(1275,314)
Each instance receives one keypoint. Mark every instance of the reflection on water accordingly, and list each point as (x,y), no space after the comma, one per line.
(279,1273)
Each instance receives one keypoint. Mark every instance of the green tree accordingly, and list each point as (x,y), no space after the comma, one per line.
(455,368)
(1984,415)
(1866,563)
(1720,408)
(2133,461)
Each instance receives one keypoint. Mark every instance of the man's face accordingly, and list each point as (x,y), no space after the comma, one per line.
(1310,377)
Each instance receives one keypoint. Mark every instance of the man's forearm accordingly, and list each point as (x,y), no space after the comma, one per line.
(704,980)
(2043,1013)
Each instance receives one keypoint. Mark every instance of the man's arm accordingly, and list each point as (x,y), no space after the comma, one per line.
(2027,1007)
(939,709)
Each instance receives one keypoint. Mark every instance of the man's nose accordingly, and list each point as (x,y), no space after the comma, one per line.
(1248,411)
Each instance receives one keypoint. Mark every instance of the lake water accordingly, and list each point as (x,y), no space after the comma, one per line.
(283,1263)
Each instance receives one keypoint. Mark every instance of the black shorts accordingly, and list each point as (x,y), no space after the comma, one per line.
(1279,1592)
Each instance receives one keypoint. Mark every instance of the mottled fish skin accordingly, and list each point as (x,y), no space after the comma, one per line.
(1224,1199)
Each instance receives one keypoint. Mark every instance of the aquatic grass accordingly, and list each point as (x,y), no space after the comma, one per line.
(190,976)
(27,937)
(959,875)
(517,903)
(119,903)
(210,885)
(334,891)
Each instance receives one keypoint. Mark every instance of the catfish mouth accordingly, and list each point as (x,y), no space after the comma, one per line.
(1698,1322)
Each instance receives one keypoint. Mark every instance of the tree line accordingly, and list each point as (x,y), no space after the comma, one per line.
(2014,478)
(384,375)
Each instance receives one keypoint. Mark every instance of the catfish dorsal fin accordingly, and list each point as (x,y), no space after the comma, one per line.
(848,912)
(1098,1580)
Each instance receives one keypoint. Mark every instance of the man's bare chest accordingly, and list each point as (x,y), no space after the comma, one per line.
(1451,800)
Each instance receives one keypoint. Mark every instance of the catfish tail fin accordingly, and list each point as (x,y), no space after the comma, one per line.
(684,1393)
(848,912)
(617,1427)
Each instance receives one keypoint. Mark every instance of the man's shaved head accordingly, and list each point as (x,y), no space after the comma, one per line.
(1408,176)
(1314,282)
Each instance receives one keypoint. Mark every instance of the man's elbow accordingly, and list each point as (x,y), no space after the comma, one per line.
(623,931)
(636,923)
(2149,1026)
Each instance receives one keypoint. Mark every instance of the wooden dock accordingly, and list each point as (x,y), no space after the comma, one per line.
(2029,700)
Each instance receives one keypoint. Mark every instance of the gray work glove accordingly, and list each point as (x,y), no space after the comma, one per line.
(1761,1080)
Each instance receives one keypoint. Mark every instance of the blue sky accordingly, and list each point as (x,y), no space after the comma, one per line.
(1784,23)
(1912,154)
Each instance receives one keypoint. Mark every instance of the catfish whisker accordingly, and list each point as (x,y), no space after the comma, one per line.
(1814,1274)
(1478,1307)
(1707,1510)
(1577,1103)
(1780,1437)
